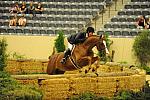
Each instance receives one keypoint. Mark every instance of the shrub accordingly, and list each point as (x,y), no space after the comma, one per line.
(121,95)
(88,96)
(129,95)
(141,47)
(59,42)
(102,53)
(147,69)
(18,56)
(11,90)
(3,55)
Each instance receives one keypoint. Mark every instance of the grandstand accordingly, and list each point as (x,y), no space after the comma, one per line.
(71,16)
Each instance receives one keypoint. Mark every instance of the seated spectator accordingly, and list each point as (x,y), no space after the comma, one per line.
(22,21)
(39,8)
(23,8)
(30,9)
(141,23)
(13,21)
(15,8)
(148,24)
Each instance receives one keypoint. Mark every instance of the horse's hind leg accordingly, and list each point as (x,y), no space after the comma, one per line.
(50,69)
(57,71)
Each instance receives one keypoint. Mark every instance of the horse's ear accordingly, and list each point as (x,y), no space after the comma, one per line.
(101,36)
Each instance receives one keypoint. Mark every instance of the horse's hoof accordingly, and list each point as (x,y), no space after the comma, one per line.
(96,74)
(86,71)
(80,71)
(93,70)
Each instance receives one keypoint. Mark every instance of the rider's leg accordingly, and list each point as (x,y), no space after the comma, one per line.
(67,53)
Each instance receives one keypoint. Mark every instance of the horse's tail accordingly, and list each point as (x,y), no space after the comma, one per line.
(52,63)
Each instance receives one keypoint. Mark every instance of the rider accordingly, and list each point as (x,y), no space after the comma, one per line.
(75,39)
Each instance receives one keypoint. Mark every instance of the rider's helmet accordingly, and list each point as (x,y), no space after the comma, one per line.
(90,29)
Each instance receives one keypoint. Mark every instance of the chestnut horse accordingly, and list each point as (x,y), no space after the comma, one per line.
(82,55)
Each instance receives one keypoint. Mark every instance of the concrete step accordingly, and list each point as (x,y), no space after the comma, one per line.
(109,13)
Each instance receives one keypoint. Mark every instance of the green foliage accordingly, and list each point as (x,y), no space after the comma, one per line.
(102,53)
(59,42)
(141,47)
(3,55)
(122,95)
(123,62)
(18,56)
(11,90)
(147,69)
(129,95)
(88,96)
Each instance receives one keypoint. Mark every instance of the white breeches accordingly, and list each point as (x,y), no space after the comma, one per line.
(70,46)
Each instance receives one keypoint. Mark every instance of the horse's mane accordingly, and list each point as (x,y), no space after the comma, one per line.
(93,36)
(90,39)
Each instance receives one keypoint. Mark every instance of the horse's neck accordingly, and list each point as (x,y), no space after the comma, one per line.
(79,51)
(85,48)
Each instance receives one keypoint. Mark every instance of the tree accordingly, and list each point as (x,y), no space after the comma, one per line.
(141,47)
(59,42)
(3,55)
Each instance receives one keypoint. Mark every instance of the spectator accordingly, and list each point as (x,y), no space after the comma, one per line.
(23,8)
(148,24)
(22,21)
(141,23)
(39,8)
(13,21)
(30,9)
(15,8)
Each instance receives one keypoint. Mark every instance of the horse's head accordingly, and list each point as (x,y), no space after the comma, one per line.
(101,44)
(97,41)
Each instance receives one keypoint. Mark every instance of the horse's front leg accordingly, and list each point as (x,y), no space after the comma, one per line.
(90,60)
(96,64)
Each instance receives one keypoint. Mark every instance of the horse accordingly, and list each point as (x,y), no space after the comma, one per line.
(81,55)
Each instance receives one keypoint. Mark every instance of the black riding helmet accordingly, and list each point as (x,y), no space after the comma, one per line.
(90,29)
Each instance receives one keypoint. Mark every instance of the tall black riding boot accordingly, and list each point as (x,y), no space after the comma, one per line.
(66,55)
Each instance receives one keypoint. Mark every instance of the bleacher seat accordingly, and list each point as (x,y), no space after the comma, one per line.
(10,30)
(134,33)
(27,31)
(19,31)
(29,25)
(117,33)
(35,31)
(37,24)
(126,33)
(43,32)
(50,32)
(2,30)
(44,25)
